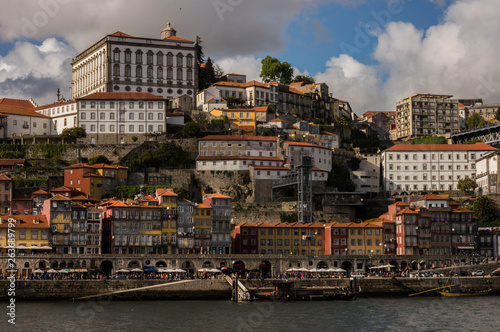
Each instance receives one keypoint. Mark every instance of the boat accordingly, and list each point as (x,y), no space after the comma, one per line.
(452,292)
(285,291)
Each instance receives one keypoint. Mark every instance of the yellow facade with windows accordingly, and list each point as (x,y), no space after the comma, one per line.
(167,200)
(365,238)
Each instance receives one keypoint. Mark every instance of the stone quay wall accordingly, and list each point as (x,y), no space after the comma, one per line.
(56,290)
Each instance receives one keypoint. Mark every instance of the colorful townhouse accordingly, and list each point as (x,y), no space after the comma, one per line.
(167,200)
(221,222)
(279,239)
(95,180)
(202,228)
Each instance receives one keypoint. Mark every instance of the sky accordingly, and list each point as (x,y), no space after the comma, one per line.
(371,53)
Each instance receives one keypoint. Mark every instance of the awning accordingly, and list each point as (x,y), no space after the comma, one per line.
(466,247)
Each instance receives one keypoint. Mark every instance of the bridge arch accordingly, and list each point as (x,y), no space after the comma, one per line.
(346,265)
(188,266)
(207,265)
(265,269)
(322,265)
(414,265)
(107,267)
(239,265)
(41,264)
(134,264)
(161,264)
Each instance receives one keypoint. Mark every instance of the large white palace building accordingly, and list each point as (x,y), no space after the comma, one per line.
(430,167)
(120,62)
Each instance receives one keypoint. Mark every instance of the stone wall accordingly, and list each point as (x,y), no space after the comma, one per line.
(29,290)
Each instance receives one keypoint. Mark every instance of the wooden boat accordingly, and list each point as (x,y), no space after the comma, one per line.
(461,292)
(284,291)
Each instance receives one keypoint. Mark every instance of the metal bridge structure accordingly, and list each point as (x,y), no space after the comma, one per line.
(489,134)
(302,179)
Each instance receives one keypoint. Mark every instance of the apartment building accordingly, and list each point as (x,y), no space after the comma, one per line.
(221,222)
(426,114)
(430,167)
(237,153)
(279,239)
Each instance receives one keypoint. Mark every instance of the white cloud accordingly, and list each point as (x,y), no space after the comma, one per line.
(246,65)
(459,56)
(32,71)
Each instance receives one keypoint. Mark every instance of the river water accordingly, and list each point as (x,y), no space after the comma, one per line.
(375,314)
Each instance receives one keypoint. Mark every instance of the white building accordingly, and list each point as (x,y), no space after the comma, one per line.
(20,119)
(64,114)
(321,156)
(113,118)
(487,174)
(430,167)
(237,153)
(120,62)
(367,176)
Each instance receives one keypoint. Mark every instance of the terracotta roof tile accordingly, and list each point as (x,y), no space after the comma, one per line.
(442,147)
(26,221)
(121,96)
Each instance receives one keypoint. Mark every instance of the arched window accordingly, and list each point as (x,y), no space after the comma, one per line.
(180,59)
(150,72)
(150,58)
(116,55)
(189,75)
(138,57)
(179,74)
(116,69)
(128,56)
(159,73)
(170,59)
(189,61)
(127,71)
(159,59)
(170,74)
(138,71)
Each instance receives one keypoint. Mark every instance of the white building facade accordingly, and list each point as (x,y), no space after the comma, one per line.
(113,118)
(430,167)
(119,62)
(367,176)
(487,174)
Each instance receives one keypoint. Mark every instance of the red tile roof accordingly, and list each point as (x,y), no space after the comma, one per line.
(216,196)
(166,192)
(213,100)
(290,143)
(56,104)
(17,103)
(271,168)
(431,197)
(121,96)
(40,192)
(179,39)
(239,138)
(442,147)
(4,177)
(121,34)
(258,158)
(26,221)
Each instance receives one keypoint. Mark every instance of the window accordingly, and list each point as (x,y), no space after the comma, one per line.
(102,116)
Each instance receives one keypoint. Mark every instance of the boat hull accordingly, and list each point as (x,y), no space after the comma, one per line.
(455,294)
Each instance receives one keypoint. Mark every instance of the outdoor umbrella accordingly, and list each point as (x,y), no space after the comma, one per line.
(38,271)
(123,270)
(136,270)
(52,271)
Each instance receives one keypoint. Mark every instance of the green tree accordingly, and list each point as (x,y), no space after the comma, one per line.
(99,159)
(191,129)
(206,75)
(475,120)
(274,70)
(497,114)
(484,209)
(467,185)
(429,140)
(73,133)
(134,138)
(304,79)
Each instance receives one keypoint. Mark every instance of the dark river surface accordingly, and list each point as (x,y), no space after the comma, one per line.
(365,314)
